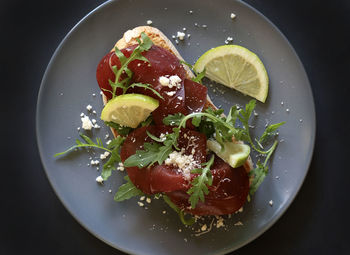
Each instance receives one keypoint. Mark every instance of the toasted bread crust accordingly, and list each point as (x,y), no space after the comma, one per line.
(159,39)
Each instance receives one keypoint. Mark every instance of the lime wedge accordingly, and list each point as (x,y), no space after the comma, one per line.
(129,110)
(234,154)
(237,68)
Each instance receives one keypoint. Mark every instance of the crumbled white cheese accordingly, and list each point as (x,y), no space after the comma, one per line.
(82,114)
(220,222)
(172,81)
(271,203)
(185,163)
(93,94)
(170,93)
(164,81)
(99,179)
(175,81)
(140,204)
(148,200)
(238,223)
(89,107)
(120,167)
(104,155)
(94,162)
(97,126)
(86,123)
(204,227)
(180,35)
(232,15)
(93,121)
(142,198)
(108,142)
(149,22)
(228,40)
(130,34)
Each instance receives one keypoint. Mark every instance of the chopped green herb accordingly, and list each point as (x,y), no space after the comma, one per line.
(187,222)
(200,183)
(127,191)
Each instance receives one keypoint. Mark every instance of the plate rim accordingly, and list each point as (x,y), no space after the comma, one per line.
(224,250)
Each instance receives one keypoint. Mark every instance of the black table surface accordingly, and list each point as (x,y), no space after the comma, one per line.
(33,220)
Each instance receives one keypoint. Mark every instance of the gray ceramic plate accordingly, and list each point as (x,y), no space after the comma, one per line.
(67,89)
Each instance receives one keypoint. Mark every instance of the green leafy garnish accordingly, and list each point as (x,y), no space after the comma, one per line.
(113,148)
(88,143)
(259,173)
(173,120)
(189,221)
(200,183)
(122,130)
(144,44)
(114,158)
(198,76)
(127,191)
(154,152)
(145,86)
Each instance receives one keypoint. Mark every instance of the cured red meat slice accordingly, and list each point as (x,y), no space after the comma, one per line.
(227,194)
(196,96)
(161,63)
(162,178)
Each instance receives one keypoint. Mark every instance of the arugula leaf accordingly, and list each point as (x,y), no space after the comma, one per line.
(89,143)
(187,222)
(122,130)
(154,152)
(258,174)
(144,45)
(269,131)
(127,191)
(145,157)
(200,183)
(198,76)
(109,166)
(146,86)
(173,120)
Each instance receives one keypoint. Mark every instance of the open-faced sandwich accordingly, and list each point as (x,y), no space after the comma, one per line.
(169,136)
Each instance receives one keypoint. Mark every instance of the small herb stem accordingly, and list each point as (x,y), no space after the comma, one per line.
(82,145)
(270,151)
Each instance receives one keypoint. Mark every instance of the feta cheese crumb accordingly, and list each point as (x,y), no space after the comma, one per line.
(89,107)
(204,227)
(170,93)
(148,200)
(110,191)
(93,121)
(220,222)
(149,22)
(271,203)
(238,223)
(82,114)
(120,167)
(108,142)
(232,15)
(185,163)
(86,123)
(180,35)
(104,155)
(164,212)
(140,204)
(142,198)
(172,81)
(94,162)
(130,34)
(99,179)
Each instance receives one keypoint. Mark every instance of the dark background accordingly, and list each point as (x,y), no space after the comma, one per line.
(33,220)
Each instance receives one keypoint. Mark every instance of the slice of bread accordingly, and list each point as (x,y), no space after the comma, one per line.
(159,39)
